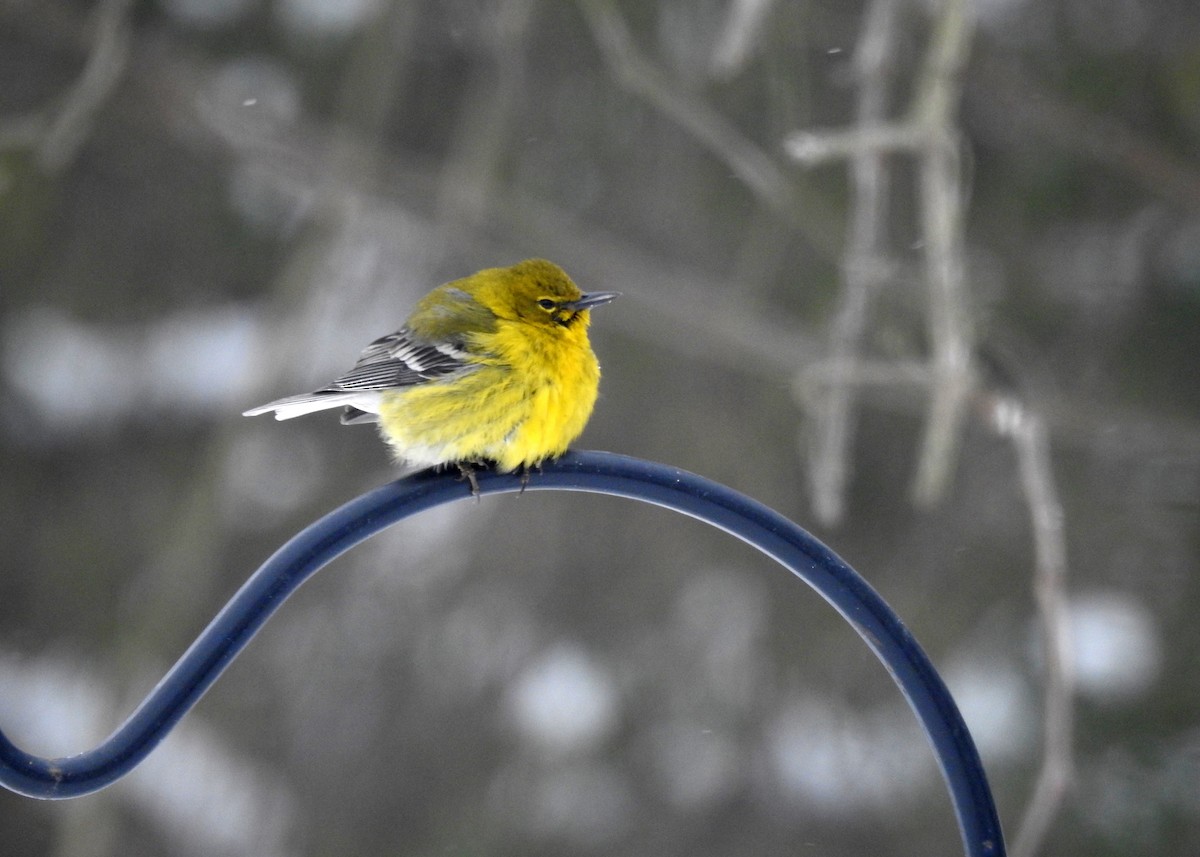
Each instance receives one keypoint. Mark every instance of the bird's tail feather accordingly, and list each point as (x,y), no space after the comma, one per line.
(305,403)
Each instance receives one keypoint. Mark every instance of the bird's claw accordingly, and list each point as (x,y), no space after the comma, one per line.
(467,469)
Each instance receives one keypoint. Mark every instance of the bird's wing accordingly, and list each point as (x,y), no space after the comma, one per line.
(401,360)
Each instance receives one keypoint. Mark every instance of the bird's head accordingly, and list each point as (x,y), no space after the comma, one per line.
(541,293)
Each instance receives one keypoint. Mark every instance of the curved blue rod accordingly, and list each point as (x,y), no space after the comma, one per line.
(596,472)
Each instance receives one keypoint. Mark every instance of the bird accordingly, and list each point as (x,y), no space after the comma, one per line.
(494,369)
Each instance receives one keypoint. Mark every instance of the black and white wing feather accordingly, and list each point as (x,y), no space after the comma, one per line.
(401,360)
(390,362)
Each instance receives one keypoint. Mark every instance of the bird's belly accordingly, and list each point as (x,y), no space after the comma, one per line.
(549,422)
(489,415)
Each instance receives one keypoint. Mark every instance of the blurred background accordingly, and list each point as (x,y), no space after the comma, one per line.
(923,276)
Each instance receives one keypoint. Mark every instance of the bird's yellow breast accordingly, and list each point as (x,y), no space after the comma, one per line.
(529,395)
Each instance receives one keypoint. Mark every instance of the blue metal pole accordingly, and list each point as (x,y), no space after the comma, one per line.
(596,472)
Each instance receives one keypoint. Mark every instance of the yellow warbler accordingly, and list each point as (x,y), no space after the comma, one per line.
(495,367)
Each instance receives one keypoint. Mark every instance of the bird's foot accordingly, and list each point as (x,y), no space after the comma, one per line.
(526,472)
(467,469)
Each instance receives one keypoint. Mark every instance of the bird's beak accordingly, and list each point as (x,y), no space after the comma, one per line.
(592,299)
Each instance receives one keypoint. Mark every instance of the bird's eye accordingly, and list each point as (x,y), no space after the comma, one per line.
(547,304)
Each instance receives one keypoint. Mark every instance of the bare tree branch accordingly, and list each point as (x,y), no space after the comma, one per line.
(1028,434)
(942,194)
(742,29)
(773,187)
(813,148)
(863,267)
(929,133)
(67,128)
